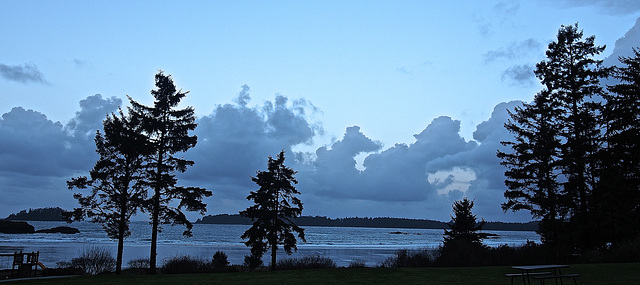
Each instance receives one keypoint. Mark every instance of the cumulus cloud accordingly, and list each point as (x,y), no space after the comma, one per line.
(396,175)
(515,50)
(93,111)
(38,155)
(519,75)
(26,73)
(420,179)
(235,140)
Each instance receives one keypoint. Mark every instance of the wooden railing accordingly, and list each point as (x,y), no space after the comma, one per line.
(24,264)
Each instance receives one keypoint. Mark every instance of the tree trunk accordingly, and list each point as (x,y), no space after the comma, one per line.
(273,257)
(154,233)
(119,254)
(156,214)
(120,241)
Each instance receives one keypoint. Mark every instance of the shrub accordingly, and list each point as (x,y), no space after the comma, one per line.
(358,263)
(462,252)
(184,264)
(94,260)
(252,262)
(139,263)
(306,262)
(415,258)
(220,261)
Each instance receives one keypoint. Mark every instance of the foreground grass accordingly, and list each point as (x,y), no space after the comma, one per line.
(618,273)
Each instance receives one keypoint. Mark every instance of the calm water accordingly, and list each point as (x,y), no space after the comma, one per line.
(343,245)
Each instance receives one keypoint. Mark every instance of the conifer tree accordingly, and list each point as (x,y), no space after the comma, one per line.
(564,150)
(617,199)
(533,165)
(117,179)
(464,226)
(274,210)
(167,131)
(572,75)
(463,241)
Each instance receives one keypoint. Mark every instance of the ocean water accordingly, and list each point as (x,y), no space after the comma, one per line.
(342,244)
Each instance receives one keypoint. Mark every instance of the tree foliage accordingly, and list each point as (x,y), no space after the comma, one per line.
(167,132)
(463,241)
(464,226)
(117,180)
(275,206)
(574,159)
(532,166)
(617,199)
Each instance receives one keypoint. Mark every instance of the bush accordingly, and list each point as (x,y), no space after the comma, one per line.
(406,258)
(358,263)
(220,261)
(307,262)
(94,260)
(252,262)
(139,263)
(184,264)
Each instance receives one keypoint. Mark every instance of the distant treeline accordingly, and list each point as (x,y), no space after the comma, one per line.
(40,214)
(368,223)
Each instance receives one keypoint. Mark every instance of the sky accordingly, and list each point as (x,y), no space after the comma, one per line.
(385,108)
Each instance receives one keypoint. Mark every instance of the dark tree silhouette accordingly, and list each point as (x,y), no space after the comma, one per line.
(572,76)
(533,164)
(618,193)
(167,131)
(464,226)
(117,179)
(275,207)
(552,169)
(463,241)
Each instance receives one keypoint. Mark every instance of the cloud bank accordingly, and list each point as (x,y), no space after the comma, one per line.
(418,180)
(38,155)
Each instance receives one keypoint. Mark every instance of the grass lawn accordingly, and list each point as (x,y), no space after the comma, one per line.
(617,273)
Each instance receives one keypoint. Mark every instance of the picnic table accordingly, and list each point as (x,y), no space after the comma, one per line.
(542,273)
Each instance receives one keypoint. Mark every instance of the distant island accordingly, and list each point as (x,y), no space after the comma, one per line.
(55,214)
(368,223)
(40,214)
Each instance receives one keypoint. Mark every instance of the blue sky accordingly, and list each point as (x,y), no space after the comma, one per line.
(358,82)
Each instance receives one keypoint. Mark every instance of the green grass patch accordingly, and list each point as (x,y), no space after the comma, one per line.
(603,274)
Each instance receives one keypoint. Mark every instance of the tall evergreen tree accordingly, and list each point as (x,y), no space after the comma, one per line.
(167,131)
(572,76)
(617,199)
(533,165)
(463,241)
(272,214)
(464,225)
(117,179)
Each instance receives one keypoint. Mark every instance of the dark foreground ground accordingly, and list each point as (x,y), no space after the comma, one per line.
(614,273)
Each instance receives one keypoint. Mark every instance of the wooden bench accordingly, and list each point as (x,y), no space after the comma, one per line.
(556,277)
(525,275)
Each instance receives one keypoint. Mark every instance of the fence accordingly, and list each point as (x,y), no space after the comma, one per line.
(20,264)
(6,261)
